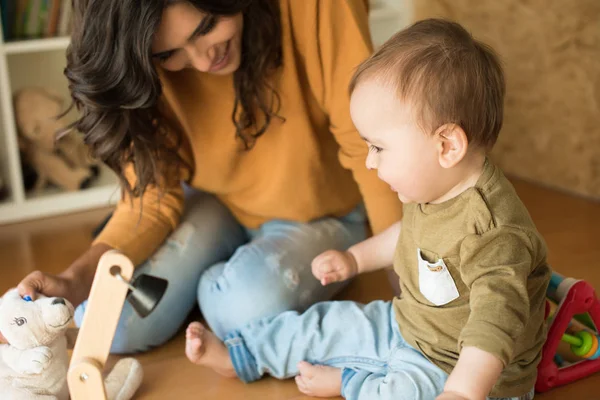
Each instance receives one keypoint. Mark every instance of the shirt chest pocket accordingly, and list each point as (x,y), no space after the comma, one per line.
(435,282)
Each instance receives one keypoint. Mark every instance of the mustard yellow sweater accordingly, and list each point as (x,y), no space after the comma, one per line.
(307,166)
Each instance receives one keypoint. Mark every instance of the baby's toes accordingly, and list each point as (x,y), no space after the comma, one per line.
(195,329)
(193,343)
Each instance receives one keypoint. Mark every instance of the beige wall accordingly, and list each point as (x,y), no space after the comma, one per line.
(551,53)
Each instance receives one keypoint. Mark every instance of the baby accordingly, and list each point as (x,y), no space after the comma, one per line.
(469,323)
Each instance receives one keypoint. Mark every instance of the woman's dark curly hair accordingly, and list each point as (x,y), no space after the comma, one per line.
(115,86)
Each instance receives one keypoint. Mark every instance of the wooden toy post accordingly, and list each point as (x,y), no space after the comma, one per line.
(107,296)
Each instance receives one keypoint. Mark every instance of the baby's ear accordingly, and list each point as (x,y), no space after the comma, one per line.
(452,144)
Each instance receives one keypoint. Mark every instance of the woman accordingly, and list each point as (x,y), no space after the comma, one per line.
(245,101)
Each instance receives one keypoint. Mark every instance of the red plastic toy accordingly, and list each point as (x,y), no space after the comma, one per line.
(574,298)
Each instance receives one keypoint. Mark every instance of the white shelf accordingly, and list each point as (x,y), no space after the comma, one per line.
(10,152)
(104,192)
(36,45)
(59,203)
(39,63)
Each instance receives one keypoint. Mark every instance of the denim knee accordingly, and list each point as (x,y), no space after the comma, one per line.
(272,273)
(229,300)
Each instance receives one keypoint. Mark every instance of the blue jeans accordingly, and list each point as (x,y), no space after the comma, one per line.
(235,274)
(362,340)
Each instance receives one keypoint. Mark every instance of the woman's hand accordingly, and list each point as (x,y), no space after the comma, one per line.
(73,284)
(334,266)
(48,285)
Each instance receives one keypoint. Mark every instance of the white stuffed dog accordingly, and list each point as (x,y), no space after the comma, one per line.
(34,363)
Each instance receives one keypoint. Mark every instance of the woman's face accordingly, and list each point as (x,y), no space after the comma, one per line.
(190,38)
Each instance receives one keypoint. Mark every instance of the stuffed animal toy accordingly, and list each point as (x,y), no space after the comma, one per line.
(34,363)
(64,162)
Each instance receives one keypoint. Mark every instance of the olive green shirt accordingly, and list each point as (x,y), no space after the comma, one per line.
(473,272)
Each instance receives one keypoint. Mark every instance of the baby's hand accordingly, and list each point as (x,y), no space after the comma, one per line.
(334,266)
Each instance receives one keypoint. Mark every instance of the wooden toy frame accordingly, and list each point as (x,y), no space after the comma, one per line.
(105,303)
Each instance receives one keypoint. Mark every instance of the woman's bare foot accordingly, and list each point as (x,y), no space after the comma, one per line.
(319,380)
(202,347)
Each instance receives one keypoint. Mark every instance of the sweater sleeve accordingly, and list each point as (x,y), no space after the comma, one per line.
(496,266)
(139,225)
(344,41)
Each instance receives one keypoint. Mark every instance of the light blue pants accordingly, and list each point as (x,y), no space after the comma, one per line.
(236,275)
(362,340)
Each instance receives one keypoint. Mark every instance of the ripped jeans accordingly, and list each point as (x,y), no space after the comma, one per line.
(235,274)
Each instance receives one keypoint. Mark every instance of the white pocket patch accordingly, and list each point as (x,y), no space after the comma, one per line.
(435,281)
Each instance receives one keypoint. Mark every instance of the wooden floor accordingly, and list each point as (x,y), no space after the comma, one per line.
(571,227)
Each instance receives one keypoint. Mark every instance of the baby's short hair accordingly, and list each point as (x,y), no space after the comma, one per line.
(449,77)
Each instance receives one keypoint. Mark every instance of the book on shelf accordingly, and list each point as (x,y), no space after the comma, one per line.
(35,19)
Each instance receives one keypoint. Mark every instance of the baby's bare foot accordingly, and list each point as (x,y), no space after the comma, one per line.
(319,380)
(202,347)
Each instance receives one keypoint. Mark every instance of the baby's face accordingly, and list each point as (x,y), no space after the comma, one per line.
(404,156)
